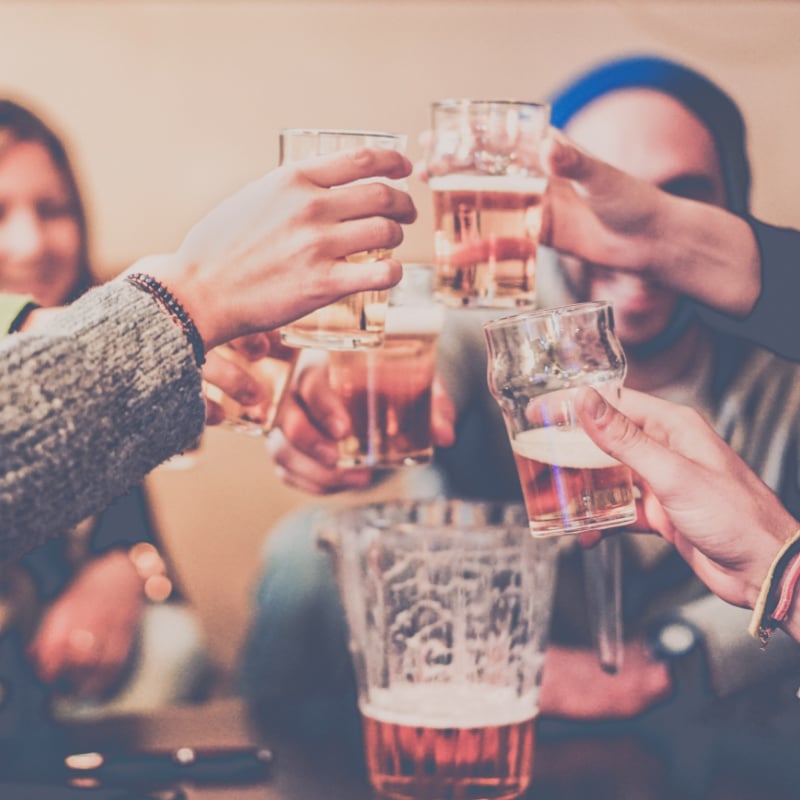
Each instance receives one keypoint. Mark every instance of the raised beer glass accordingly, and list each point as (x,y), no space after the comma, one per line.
(387,389)
(448,606)
(356,321)
(537,361)
(487,184)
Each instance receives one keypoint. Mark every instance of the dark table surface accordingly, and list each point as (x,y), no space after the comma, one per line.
(743,751)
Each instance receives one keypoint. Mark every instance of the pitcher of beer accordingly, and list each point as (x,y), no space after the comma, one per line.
(448,605)
(537,361)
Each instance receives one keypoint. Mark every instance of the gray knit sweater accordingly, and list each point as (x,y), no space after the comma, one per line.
(87,407)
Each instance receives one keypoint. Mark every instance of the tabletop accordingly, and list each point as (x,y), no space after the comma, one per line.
(718,760)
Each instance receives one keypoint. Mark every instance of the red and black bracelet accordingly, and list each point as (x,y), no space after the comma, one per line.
(170,304)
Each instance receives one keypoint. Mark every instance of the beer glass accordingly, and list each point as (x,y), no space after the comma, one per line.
(487,184)
(356,321)
(271,370)
(448,606)
(537,361)
(387,389)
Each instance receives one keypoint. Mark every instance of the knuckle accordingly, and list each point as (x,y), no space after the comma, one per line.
(382,196)
(387,231)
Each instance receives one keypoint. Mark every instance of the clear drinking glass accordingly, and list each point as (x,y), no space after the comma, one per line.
(356,321)
(537,361)
(271,368)
(448,605)
(487,184)
(387,389)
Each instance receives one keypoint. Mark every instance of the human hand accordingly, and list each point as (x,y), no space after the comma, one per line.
(605,216)
(696,492)
(245,378)
(574,686)
(313,419)
(276,249)
(86,635)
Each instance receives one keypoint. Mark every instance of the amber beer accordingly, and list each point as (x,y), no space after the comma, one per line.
(387,391)
(271,372)
(487,232)
(461,743)
(569,483)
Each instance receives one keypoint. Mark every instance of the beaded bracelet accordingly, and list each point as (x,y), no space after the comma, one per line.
(170,304)
(777,591)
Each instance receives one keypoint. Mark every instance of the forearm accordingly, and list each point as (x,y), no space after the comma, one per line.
(710,255)
(90,404)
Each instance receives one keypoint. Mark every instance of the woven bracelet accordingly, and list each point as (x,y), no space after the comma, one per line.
(170,304)
(777,591)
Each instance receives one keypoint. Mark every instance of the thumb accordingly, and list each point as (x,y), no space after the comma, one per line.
(621,438)
(562,158)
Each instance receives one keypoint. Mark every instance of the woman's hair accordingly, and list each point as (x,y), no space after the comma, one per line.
(19,124)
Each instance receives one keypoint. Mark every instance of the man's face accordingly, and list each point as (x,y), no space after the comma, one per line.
(653,137)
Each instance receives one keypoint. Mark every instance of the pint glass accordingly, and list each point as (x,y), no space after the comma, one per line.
(387,389)
(448,605)
(537,361)
(356,321)
(487,185)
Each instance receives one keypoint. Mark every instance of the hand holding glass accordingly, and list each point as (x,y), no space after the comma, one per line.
(356,321)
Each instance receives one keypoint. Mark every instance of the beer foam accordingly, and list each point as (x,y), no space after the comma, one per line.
(516,184)
(562,447)
(419,320)
(450,705)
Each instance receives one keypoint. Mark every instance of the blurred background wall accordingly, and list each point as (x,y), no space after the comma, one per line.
(169,105)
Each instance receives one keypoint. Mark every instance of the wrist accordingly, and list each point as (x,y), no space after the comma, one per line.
(182,280)
(710,254)
(776,602)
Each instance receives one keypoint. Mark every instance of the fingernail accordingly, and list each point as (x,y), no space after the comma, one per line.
(595,405)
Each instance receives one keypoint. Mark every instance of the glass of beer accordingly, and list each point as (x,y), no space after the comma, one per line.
(270,363)
(387,389)
(537,361)
(487,184)
(356,321)
(448,605)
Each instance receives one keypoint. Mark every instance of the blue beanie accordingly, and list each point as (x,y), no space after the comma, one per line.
(712,106)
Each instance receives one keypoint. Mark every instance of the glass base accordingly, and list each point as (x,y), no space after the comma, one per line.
(332,340)
(247,427)
(516,302)
(406,460)
(616,518)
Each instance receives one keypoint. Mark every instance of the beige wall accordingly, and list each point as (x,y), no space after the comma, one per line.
(169,105)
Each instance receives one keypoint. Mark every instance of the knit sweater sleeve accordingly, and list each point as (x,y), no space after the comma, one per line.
(88,405)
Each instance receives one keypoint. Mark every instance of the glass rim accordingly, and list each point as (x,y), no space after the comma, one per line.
(499,513)
(559,312)
(462,102)
(341,132)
